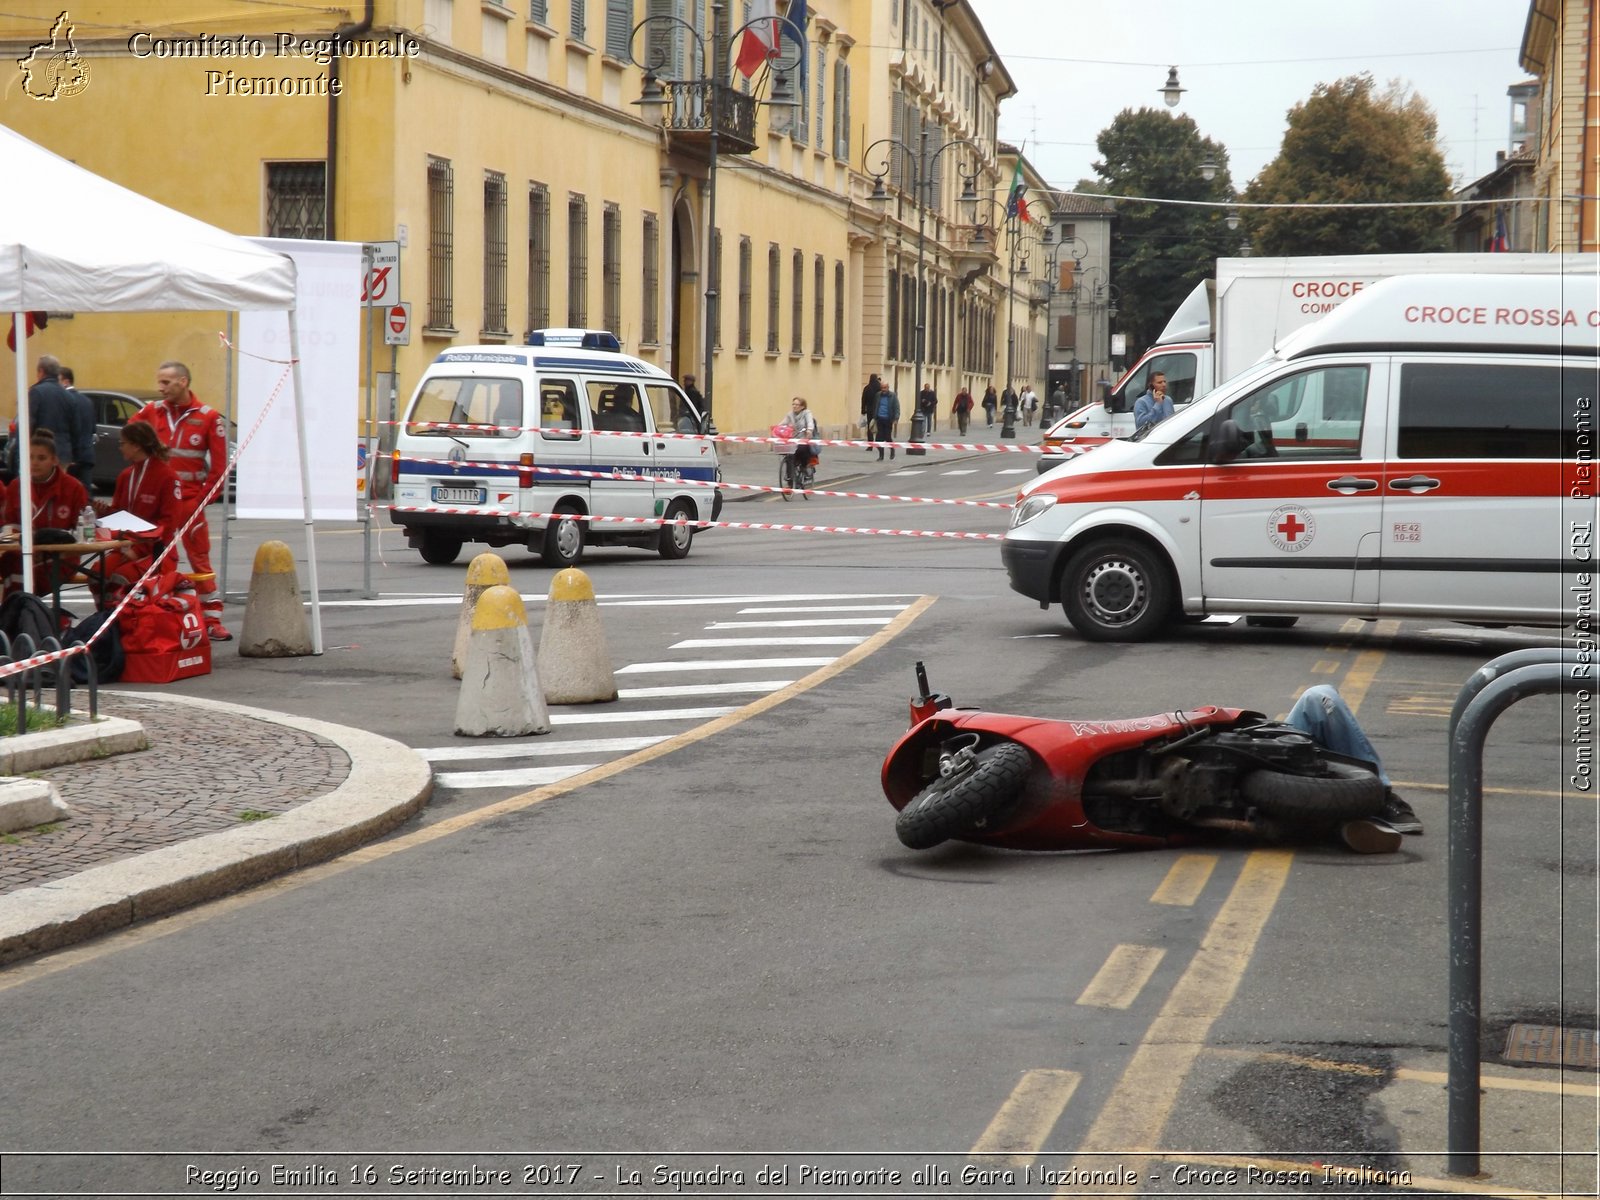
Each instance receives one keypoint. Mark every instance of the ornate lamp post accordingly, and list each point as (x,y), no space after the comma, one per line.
(1015,239)
(1079,250)
(922,162)
(707,104)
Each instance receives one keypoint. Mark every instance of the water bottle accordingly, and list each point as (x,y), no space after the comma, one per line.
(86,524)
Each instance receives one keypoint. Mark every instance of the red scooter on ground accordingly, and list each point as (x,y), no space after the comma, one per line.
(1031,783)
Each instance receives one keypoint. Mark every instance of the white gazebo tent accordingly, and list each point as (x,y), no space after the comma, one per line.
(72,241)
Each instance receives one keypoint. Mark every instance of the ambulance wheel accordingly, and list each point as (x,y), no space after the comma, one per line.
(1117,591)
(979,800)
(563,539)
(440,549)
(678,534)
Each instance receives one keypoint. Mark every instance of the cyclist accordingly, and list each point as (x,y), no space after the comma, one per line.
(802,427)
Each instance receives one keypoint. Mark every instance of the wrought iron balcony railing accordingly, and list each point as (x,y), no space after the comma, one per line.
(688,115)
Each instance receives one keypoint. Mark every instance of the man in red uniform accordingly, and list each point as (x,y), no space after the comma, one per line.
(198,447)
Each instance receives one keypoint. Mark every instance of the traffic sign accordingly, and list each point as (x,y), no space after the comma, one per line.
(397,325)
(382,283)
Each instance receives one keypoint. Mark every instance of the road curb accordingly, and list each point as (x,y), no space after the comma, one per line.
(387,783)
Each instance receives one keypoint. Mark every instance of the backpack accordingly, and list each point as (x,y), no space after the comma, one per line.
(107,650)
(24,614)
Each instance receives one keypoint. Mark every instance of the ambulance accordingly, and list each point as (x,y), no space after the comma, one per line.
(524,445)
(1251,304)
(1425,450)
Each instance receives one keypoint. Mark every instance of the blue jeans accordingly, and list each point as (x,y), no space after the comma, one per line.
(1323,714)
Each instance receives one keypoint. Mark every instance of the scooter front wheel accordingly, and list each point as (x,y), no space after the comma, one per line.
(1341,793)
(978,798)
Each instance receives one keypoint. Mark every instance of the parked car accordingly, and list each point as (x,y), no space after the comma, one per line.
(113,410)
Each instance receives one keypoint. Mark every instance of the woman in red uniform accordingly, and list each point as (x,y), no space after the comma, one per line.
(148,489)
(57,498)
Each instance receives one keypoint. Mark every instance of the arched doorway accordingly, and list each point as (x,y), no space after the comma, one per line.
(687,347)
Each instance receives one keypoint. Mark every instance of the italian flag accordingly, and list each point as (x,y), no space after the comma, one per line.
(760,41)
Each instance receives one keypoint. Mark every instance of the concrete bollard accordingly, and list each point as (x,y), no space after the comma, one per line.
(274,618)
(500,694)
(573,661)
(485,572)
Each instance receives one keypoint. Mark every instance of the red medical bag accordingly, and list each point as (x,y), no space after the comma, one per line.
(164,639)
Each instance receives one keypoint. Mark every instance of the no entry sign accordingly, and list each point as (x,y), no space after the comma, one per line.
(397,325)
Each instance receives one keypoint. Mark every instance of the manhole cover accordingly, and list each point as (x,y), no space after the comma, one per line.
(1552,1046)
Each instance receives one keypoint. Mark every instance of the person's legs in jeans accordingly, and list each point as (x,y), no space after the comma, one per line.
(1323,714)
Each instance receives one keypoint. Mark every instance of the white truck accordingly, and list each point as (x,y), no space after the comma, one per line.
(1229,322)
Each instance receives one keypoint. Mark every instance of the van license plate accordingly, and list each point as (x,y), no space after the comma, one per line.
(459,495)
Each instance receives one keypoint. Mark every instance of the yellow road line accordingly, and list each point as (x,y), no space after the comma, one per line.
(1025,1120)
(1186,880)
(1360,677)
(1142,1100)
(139,934)
(1490,1081)
(1119,981)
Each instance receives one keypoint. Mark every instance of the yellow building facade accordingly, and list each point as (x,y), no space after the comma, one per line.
(506,149)
(1560,46)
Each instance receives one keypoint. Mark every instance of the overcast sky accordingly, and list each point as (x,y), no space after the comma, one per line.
(1245,63)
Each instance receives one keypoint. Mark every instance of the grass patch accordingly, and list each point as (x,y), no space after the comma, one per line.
(255,814)
(38,719)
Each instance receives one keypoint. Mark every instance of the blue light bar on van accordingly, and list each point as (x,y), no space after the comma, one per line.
(583,339)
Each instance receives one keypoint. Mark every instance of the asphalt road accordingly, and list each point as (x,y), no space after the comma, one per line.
(724,948)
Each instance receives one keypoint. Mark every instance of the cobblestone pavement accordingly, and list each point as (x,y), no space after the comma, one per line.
(204,772)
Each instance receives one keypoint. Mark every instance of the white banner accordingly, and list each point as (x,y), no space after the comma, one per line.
(328,293)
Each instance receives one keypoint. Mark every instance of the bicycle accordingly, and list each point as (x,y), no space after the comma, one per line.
(791,480)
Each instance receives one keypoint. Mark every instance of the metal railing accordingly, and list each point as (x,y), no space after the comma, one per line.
(1492,689)
(688,110)
(57,676)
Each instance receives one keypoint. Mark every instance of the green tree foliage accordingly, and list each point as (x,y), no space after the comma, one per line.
(1160,252)
(1350,143)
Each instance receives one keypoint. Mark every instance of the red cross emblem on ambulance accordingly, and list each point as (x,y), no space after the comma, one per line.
(1290,528)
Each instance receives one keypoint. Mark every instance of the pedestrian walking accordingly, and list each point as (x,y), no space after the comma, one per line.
(869,408)
(990,403)
(886,415)
(961,410)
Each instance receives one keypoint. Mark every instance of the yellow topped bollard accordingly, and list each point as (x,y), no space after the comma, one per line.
(274,617)
(484,572)
(573,660)
(500,694)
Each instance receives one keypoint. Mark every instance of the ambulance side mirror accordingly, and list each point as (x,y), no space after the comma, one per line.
(1228,442)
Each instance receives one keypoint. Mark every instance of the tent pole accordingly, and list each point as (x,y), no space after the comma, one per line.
(19,322)
(231,429)
(305,483)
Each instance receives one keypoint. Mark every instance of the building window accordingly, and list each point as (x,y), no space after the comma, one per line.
(297,200)
(611,268)
(619,24)
(538,256)
(774,300)
(650,332)
(539,10)
(821,77)
(441,244)
(496,254)
(893,323)
(579,26)
(841,110)
(838,309)
(715,285)
(746,269)
(797,310)
(577,261)
(819,275)
(908,319)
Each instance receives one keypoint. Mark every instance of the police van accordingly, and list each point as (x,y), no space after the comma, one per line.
(516,445)
(1426,450)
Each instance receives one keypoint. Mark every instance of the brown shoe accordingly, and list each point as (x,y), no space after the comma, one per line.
(1369,836)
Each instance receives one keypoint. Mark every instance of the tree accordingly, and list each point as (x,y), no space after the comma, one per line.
(1348,143)
(1161,251)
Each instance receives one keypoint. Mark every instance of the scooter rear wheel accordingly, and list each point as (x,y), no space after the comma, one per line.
(969,803)
(1344,791)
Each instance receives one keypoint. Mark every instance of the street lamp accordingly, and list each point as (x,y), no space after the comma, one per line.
(1099,293)
(1079,251)
(922,164)
(1015,241)
(1171,92)
(704,104)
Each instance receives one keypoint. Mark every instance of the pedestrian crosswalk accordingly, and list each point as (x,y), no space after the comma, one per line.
(678,688)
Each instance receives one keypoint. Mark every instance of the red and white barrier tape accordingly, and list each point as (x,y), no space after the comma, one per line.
(568,434)
(785,527)
(710,483)
(171,547)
